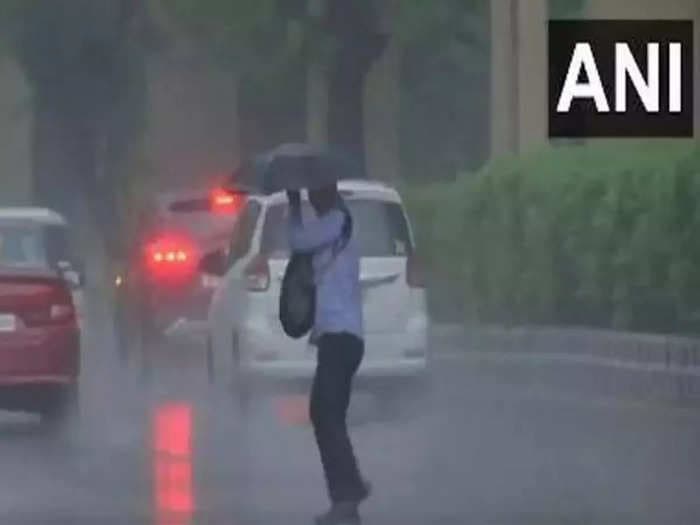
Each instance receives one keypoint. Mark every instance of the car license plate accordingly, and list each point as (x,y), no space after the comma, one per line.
(8,323)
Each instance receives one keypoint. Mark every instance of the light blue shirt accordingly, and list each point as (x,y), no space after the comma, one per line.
(338,290)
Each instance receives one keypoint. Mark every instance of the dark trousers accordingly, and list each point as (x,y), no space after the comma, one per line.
(339,357)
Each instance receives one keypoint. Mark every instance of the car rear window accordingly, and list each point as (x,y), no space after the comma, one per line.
(193,217)
(379,227)
(190,206)
(22,246)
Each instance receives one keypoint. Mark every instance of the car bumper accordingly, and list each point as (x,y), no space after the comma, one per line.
(387,356)
(46,355)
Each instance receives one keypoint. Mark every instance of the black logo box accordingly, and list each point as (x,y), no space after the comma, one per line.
(583,120)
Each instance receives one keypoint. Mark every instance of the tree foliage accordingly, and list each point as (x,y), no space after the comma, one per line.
(250,36)
(445,86)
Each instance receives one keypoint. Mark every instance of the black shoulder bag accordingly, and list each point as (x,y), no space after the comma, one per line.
(297,305)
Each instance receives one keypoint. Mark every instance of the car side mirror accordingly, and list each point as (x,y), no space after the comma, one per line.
(214,263)
(73,273)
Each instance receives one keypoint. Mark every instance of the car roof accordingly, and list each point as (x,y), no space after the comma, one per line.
(366,188)
(28,272)
(42,216)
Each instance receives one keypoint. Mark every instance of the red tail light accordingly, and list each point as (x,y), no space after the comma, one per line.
(223,201)
(257,274)
(55,306)
(171,256)
(415,272)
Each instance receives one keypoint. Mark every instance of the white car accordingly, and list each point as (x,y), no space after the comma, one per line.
(45,240)
(245,338)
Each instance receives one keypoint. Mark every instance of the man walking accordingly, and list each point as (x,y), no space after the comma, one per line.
(338,335)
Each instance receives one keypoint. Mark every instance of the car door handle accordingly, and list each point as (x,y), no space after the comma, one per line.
(376,280)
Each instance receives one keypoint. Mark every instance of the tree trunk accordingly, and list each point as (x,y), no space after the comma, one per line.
(359,44)
(316,106)
(15,135)
(532,74)
(504,86)
(58,151)
(345,118)
(65,161)
(316,89)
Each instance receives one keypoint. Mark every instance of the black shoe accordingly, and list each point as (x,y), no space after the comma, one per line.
(340,514)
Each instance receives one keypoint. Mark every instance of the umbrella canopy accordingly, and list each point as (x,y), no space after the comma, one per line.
(303,166)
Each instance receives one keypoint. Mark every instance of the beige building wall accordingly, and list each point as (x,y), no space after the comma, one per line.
(504,132)
(518,75)
(532,73)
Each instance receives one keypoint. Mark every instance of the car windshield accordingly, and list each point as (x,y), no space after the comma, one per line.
(379,228)
(22,246)
(193,217)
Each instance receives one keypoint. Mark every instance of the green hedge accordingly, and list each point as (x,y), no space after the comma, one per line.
(604,234)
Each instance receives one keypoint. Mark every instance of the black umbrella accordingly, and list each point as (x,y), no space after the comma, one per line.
(303,166)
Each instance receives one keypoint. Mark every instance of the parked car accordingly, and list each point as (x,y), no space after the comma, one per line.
(60,251)
(39,327)
(160,293)
(245,340)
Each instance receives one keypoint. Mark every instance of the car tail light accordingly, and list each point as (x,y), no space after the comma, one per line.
(415,272)
(257,274)
(171,257)
(225,202)
(51,308)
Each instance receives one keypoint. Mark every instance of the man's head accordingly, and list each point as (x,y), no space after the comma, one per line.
(324,199)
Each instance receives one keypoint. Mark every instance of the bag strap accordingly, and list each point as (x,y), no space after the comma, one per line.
(339,244)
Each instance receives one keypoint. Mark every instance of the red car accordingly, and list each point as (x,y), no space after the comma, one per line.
(39,329)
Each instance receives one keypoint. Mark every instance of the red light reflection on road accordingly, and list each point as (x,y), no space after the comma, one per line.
(293,410)
(172,464)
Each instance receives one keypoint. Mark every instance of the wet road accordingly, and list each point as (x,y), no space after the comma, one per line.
(487,447)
